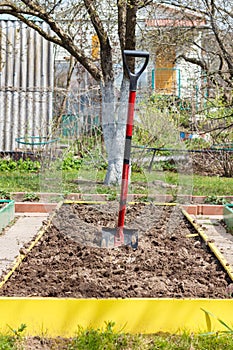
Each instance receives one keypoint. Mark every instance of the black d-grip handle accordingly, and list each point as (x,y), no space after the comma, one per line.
(133,77)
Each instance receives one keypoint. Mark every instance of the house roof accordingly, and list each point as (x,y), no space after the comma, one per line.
(166,22)
(165,15)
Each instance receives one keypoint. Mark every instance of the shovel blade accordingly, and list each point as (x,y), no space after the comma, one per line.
(109,237)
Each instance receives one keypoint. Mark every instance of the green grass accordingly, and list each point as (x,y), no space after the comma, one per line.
(110,339)
(91,339)
(19,181)
(7,342)
(66,182)
(214,185)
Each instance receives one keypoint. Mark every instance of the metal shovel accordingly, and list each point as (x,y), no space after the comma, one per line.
(120,235)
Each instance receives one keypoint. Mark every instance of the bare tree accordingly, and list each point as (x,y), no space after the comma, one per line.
(72,25)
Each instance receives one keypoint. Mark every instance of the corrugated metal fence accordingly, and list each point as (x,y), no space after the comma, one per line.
(26,83)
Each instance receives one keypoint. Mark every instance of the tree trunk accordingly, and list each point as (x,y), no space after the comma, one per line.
(114,116)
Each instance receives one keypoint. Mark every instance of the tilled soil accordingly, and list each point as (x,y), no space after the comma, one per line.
(169,262)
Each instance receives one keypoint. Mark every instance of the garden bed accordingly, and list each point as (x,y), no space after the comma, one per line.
(7,212)
(228,216)
(171,260)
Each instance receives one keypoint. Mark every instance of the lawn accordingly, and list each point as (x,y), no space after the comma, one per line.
(71,181)
(91,339)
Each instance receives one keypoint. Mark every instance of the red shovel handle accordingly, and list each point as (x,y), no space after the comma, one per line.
(133,77)
(119,237)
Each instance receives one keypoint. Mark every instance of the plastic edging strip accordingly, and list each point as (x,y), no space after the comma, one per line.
(62,317)
(69,201)
(211,245)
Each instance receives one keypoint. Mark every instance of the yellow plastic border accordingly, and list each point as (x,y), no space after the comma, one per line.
(52,317)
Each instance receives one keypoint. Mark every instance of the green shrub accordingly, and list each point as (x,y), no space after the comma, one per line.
(216,200)
(21,165)
(71,162)
(28,165)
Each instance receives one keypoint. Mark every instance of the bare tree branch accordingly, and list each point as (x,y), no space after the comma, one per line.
(193,60)
(121,4)
(61,37)
(225,53)
(106,50)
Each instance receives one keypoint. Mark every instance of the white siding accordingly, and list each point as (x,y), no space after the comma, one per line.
(26,83)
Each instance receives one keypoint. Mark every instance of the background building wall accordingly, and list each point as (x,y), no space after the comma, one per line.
(26,83)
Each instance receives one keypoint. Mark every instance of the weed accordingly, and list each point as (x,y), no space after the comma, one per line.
(101,165)
(5,195)
(99,339)
(30,197)
(216,200)
(71,162)
(18,332)
(112,196)
(228,329)
(168,166)
(137,168)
